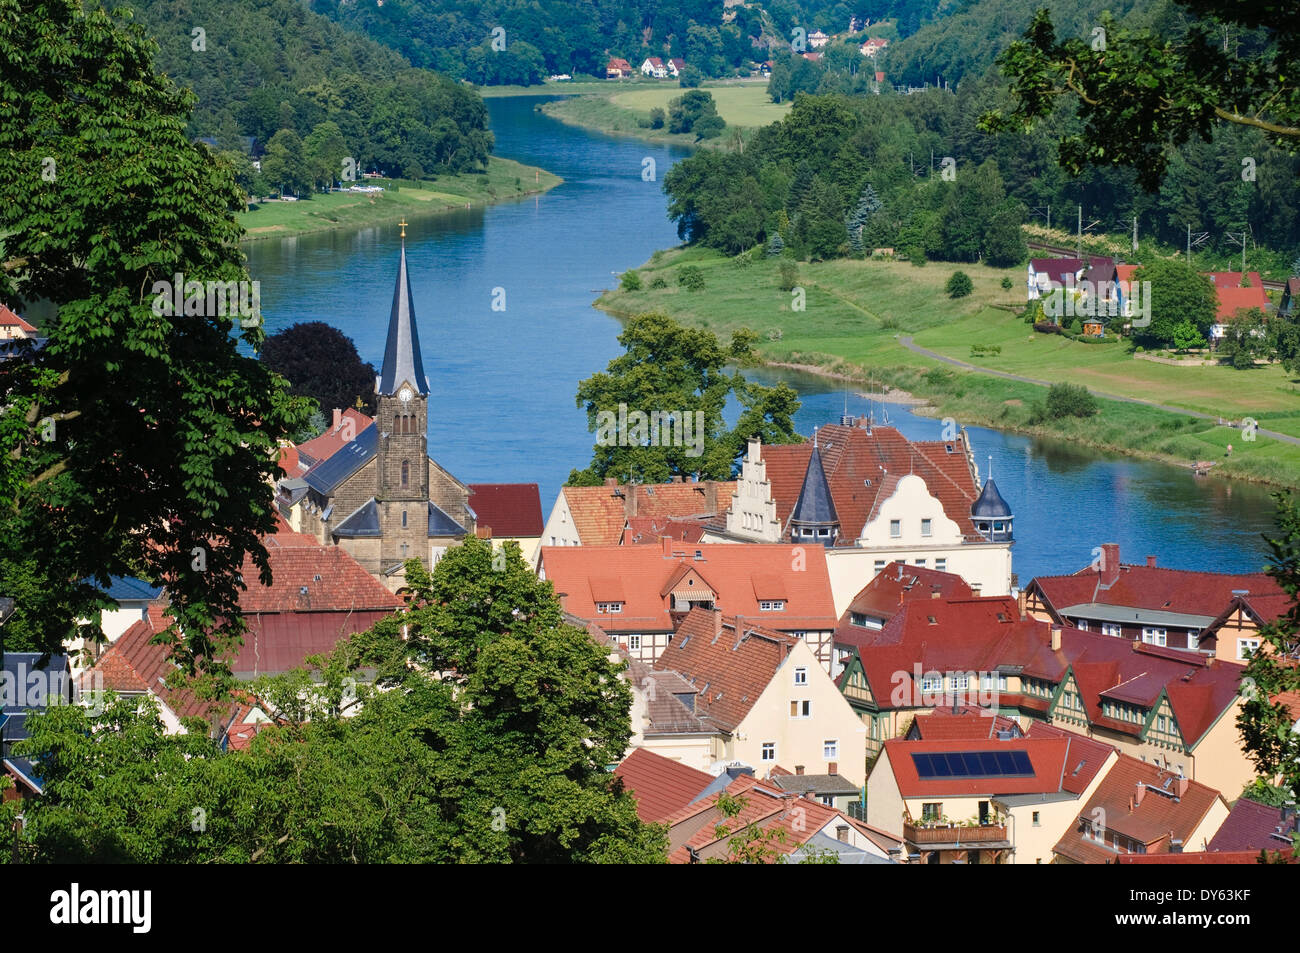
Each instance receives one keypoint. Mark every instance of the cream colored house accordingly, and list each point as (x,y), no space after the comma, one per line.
(869,496)
(759,694)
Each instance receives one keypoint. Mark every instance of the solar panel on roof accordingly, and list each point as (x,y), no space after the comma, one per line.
(936,765)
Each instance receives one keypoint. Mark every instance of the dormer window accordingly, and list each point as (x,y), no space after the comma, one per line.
(611,608)
(772,605)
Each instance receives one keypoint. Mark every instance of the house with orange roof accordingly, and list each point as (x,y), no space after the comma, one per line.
(660,785)
(762,696)
(641,594)
(599,515)
(1235,292)
(1176,608)
(1139,808)
(617,68)
(869,496)
(13,327)
(792,828)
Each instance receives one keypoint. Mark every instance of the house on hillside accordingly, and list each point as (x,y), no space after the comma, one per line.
(1235,292)
(617,68)
(1048,274)
(13,327)
(654,66)
(1140,808)
(1174,608)
(869,496)
(873,46)
(817,39)
(676,66)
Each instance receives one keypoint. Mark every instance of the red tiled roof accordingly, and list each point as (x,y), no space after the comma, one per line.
(861,465)
(1199,857)
(1232,279)
(1154,588)
(1154,822)
(599,515)
(1254,827)
(651,529)
(1083,759)
(647,576)
(617,63)
(896,584)
(728,661)
(1231,300)
(660,785)
(312,578)
(508,509)
(351,422)
(1046,758)
(980,634)
(9,319)
(1125,272)
(966,724)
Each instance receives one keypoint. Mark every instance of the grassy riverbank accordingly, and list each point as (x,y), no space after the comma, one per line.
(858,313)
(619,108)
(505,179)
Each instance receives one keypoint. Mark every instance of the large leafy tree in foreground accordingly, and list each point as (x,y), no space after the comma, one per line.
(485,737)
(673,370)
(1139,92)
(1268,726)
(136,440)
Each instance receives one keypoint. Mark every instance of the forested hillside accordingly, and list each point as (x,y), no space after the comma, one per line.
(262,66)
(544,37)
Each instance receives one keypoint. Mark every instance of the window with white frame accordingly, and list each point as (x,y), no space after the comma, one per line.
(932,683)
(1246,648)
(895,528)
(920,562)
(772,605)
(1111,628)
(613,608)
(878,566)
(830,749)
(926,527)
(1153,636)
(801,675)
(801,709)
(960,681)
(1194,639)
(1081,625)
(769,750)
(941,564)
(634,643)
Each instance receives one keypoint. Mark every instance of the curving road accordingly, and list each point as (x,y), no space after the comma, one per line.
(966,366)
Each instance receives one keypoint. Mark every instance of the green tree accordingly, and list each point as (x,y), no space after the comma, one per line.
(775,245)
(691,108)
(959,285)
(858,217)
(1185,336)
(1245,338)
(1141,90)
(325,149)
(630,280)
(690,78)
(671,369)
(657,118)
(163,434)
(286,165)
(691,278)
(1178,293)
(1070,400)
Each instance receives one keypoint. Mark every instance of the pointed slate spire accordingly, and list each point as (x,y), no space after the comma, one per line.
(402,360)
(814,510)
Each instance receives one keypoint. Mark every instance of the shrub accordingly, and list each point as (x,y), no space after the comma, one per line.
(630,281)
(657,118)
(789,275)
(1006,284)
(959,285)
(691,278)
(659,282)
(1076,327)
(1070,400)
(1047,327)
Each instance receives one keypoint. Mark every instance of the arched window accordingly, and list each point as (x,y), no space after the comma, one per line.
(406,473)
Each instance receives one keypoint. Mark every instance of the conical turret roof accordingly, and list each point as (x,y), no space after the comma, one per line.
(402,360)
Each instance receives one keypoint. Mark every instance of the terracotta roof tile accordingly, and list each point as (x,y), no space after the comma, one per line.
(1046,758)
(661,786)
(508,509)
(1253,827)
(599,515)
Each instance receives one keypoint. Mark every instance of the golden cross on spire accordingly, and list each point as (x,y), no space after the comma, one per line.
(403,224)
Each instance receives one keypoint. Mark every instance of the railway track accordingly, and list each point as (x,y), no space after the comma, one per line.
(1070,253)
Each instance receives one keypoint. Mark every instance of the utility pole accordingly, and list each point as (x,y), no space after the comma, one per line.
(1135,234)
(1080,255)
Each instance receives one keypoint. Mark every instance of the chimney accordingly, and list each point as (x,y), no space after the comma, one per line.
(1151,562)
(833,768)
(1180,786)
(677,478)
(611,482)
(1109,563)
(668,546)
(630,501)
(338,419)
(1056,638)
(1139,794)
(798,769)
(1022,598)
(717,622)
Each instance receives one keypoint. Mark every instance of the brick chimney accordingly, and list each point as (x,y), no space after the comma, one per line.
(1180,787)
(668,546)
(1109,563)
(833,768)
(611,482)
(630,501)
(1139,794)
(1023,601)
(717,622)
(1151,562)
(1056,638)
(798,769)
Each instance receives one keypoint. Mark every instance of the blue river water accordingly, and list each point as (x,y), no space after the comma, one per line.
(502,405)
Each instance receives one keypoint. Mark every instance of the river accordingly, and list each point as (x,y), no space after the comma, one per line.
(502,406)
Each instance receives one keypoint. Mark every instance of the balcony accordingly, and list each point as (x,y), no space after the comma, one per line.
(932,836)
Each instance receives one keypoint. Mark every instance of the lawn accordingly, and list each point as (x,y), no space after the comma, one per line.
(740,105)
(505,179)
(856,311)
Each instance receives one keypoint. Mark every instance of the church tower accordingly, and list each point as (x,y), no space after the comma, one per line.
(402,418)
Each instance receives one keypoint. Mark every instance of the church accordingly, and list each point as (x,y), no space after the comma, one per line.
(379,496)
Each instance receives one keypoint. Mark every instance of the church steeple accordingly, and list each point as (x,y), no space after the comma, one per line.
(402,362)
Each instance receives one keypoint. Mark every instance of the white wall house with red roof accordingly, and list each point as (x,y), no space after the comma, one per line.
(870,497)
